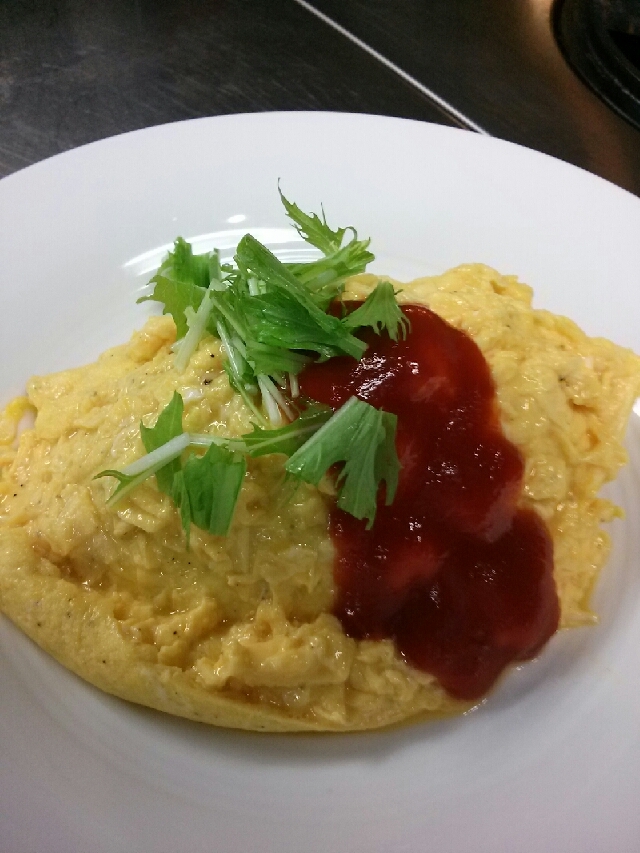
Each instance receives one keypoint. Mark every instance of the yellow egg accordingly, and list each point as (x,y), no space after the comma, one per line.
(238,631)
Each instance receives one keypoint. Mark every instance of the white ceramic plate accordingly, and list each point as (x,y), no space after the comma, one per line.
(552,761)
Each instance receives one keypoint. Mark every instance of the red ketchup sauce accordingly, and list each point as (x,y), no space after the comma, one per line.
(452,571)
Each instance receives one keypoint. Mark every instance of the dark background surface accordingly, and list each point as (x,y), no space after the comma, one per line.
(498,62)
(74,71)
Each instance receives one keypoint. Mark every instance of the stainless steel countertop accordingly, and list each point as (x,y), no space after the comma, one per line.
(72,71)
(497,63)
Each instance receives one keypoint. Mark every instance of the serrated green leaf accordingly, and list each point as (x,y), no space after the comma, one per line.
(180,283)
(278,320)
(182,265)
(362,437)
(176,297)
(312,229)
(380,311)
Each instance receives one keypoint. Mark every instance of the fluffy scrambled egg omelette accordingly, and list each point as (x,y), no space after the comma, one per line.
(238,631)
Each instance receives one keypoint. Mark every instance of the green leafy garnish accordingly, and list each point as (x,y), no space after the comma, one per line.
(362,437)
(180,283)
(287,299)
(312,229)
(198,321)
(207,489)
(325,278)
(272,320)
(280,321)
(380,311)
(145,467)
(289,438)
(176,297)
(168,426)
(183,266)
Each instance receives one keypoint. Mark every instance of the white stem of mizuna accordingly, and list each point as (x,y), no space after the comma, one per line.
(155,460)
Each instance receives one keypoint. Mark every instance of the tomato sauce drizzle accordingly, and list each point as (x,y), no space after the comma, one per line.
(453,571)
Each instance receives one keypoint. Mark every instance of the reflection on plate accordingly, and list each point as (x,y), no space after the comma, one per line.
(550,762)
